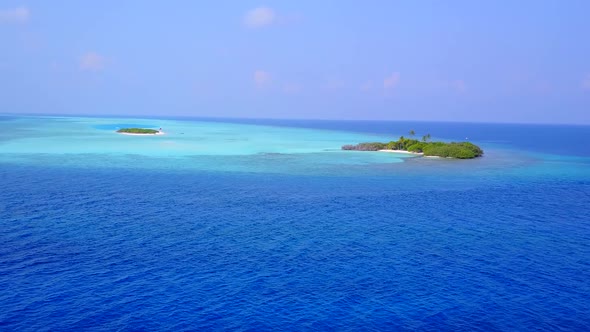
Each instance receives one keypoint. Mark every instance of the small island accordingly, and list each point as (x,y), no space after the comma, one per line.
(140,131)
(458,150)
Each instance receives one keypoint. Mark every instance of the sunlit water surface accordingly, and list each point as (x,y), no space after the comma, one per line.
(269,225)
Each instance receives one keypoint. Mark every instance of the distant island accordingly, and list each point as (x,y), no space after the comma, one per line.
(459,150)
(140,131)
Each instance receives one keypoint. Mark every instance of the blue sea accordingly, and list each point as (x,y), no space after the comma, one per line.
(260,225)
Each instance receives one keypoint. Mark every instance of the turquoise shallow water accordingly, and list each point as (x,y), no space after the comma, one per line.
(218,226)
(239,147)
(186,145)
(183,138)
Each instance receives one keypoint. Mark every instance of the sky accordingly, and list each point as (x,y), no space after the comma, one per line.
(476,61)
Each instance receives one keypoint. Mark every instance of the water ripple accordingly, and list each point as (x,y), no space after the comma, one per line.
(102,250)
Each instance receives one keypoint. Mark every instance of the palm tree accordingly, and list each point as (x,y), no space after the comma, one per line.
(412,132)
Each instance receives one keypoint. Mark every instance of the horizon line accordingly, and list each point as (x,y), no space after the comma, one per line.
(204,117)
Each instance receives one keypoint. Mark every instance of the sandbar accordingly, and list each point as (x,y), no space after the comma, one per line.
(401,151)
(138,134)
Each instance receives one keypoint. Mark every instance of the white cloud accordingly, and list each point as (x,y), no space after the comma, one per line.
(391,81)
(334,85)
(543,87)
(262,78)
(368,85)
(586,83)
(16,15)
(292,88)
(92,62)
(459,86)
(259,17)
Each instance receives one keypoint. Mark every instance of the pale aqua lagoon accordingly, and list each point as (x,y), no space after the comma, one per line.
(79,140)
(240,147)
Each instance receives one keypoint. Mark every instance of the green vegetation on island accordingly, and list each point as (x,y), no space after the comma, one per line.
(138,131)
(459,150)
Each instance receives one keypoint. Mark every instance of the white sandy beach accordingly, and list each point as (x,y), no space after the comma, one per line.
(137,134)
(401,151)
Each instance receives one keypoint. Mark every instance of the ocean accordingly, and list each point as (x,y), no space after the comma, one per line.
(259,225)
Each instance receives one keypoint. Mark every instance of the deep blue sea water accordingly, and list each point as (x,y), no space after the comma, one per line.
(292,240)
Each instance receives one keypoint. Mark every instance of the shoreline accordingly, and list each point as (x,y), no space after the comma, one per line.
(138,134)
(401,151)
